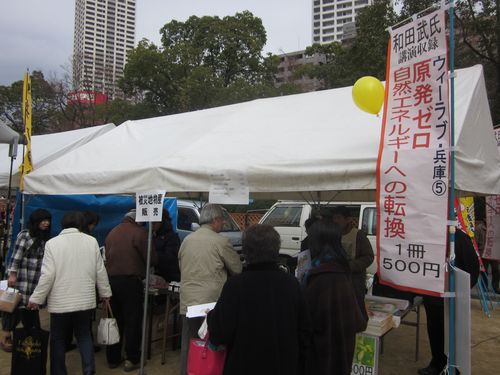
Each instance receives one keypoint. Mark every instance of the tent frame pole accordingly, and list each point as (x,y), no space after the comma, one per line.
(451,211)
(146,299)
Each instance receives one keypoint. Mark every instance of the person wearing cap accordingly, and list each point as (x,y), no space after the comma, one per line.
(126,256)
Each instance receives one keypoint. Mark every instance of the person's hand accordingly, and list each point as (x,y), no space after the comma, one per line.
(33,306)
(105,300)
(12,280)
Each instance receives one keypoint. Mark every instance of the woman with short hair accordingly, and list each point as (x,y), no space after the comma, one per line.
(261,315)
(335,313)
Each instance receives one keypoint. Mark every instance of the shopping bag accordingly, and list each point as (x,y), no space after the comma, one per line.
(203,360)
(9,299)
(29,351)
(107,330)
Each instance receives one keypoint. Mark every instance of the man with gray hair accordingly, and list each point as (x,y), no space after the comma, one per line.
(206,259)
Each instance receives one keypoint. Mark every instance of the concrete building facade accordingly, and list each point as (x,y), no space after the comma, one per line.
(329,17)
(104,33)
(289,62)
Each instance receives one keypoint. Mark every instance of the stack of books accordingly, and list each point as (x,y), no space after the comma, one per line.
(378,323)
(380,317)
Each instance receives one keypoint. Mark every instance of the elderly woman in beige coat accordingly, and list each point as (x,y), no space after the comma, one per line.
(206,259)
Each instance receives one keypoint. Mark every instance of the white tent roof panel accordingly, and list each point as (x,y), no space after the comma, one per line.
(46,148)
(317,141)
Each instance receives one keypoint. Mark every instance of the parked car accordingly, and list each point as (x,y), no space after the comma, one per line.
(288,218)
(188,221)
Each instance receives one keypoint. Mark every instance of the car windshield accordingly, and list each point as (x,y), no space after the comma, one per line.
(229,224)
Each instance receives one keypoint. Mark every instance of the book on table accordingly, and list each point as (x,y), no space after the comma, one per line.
(379,322)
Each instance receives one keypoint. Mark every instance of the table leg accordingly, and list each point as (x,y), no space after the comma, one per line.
(418,334)
(165,331)
(150,326)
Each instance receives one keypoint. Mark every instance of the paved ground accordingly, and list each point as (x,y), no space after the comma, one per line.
(398,357)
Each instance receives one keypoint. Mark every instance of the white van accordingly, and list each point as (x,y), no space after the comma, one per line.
(288,218)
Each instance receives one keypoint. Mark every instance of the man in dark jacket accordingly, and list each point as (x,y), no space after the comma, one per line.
(359,252)
(126,254)
(261,314)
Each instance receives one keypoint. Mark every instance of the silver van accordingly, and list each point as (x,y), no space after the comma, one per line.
(288,218)
(188,220)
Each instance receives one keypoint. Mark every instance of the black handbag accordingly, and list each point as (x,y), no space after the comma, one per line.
(29,351)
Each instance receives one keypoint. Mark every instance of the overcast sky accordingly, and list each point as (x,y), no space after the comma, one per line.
(38,34)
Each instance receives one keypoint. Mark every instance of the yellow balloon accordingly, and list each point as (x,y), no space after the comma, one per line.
(368,94)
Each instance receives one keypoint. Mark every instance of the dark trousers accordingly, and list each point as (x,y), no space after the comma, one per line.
(190,329)
(60,325)
(29,318)
(126,304)
(434,309)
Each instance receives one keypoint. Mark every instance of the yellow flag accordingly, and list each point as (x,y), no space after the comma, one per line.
(467,212)
(27,165)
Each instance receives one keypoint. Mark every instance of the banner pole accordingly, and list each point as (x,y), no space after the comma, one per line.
(7,214)
(452,217)
(146,298)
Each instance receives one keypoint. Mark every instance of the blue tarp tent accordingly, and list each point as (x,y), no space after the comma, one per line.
(110,208)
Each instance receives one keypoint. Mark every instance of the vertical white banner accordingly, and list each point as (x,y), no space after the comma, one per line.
(149,206)
(492,243)
(413,163)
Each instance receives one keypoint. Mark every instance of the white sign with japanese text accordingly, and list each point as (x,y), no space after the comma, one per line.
(149,206)
(492,244)
(413,164)
(229,187)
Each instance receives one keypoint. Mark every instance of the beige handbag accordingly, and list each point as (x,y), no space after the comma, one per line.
(9,299)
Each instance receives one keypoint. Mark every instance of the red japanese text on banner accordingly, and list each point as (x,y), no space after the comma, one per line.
(413,163)
(492,243)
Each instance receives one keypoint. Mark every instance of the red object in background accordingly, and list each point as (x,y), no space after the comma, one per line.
(87,97)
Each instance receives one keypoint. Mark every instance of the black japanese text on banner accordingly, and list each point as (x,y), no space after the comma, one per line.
(149,206)
(492,243)
(413,164)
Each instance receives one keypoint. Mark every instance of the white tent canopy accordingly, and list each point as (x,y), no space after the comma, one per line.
(287,146)
(7,135)
(46,148)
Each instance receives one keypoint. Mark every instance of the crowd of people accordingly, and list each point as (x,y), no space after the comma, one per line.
(68,275)
(269,321)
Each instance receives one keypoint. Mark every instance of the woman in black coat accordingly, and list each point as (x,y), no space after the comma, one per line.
(261,314)
(331,300)
(167,244)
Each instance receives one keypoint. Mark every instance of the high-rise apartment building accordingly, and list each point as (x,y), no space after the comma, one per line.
(104,32)
(330,16)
